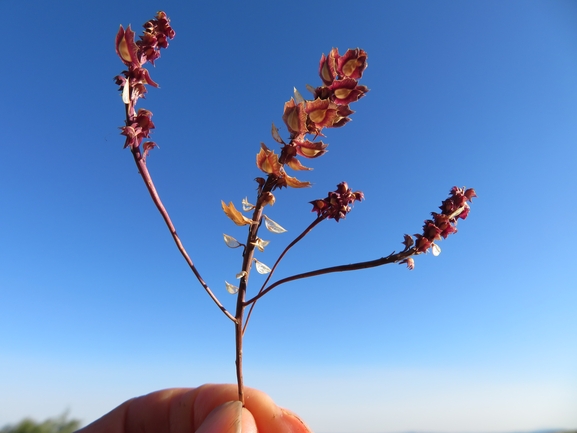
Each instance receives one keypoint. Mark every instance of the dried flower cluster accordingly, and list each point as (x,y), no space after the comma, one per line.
(338,203)
(329,108)
(443,224)
(133,81)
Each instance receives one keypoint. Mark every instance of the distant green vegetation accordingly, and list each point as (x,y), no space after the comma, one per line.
(60,424)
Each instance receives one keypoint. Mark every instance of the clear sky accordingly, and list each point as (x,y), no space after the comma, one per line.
(97,306)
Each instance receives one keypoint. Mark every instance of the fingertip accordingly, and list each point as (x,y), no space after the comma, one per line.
(271,418)
(248,422)
(294,423)
(225,418)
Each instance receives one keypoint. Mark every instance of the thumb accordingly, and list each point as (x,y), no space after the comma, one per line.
(225,418)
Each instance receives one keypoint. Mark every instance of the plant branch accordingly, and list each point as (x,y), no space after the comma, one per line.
(289,246)
(392,258)
(240,303)
(144,173)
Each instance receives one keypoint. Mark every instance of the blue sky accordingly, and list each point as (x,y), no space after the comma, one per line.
(97,306)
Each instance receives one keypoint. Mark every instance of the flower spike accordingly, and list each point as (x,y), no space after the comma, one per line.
(132,82)
(338,203)
(445,223)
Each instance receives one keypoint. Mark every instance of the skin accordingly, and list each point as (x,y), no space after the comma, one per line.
(208,409)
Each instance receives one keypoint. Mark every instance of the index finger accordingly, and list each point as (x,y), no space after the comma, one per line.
(183,410)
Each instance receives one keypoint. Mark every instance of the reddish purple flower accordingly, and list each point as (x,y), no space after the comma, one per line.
(321,114)
(157,32)
(329,108)
(456,205)
(470,193)
(343,113)
(132,82)
(288,157)
(138,129)
(410,263)
(422,244)
(136,53)
(431,231)
(328,67)
(444,224)
(147,147)
(304,148)
(338,203)
(323,92)
(295,118)
(352,63)
(267,161)
(346,91)
(310,149)
(126,47)
(340,86)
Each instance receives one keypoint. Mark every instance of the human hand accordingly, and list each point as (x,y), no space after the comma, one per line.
(208,409)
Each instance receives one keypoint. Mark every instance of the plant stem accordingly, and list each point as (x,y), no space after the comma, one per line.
(144,173)
(238,344)
(392,258)
(240,302)
(289,246)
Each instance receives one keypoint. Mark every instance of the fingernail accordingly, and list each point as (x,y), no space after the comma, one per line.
(297,424)
(225,418)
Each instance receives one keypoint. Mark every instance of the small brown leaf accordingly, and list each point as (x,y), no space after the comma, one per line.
(311,89)
(236,217)
(295,164)
(246,206)
(231,288)
(276,135)
(267,161)
(261,268)
(260,244)
(272,226)
(408,242)
(298,97)
(295,183)
(230,241)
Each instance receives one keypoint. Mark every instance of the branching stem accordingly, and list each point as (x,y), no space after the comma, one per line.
(289,246)
(143,170)
(392,258)
(240,303)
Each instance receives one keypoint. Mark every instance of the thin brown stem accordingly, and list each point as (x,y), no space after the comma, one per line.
(144,173)
(289,246)
(238,344)
(392,258)
(240,304)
